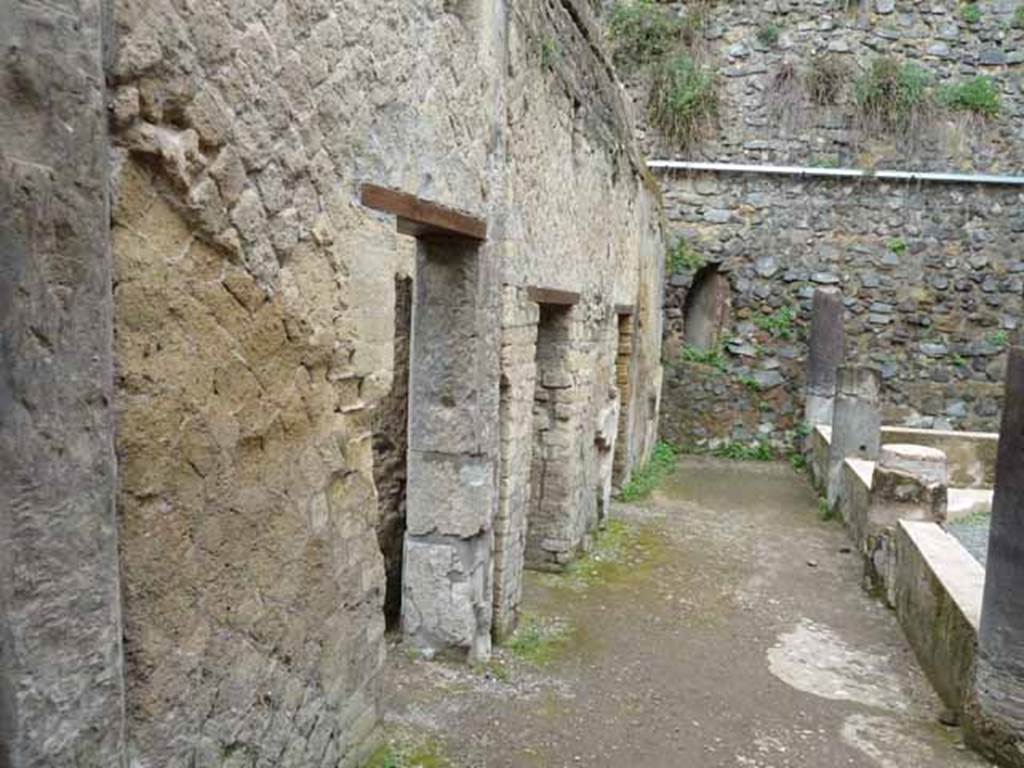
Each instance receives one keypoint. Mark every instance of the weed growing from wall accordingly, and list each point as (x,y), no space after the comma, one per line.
(712,357)
(970,13)
(1018,17)
(979,95)
(893,96)
(642,31)
(768,35)
(682,257)
(780,324)
(786,96)
(824,78)
(684,100)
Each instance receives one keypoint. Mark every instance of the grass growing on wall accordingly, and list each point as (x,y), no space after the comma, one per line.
(712,357)
(979,95)
(682,257)
(893,95)
(684,100)
(646,479)
(642,31)
(970,13)
(824,78)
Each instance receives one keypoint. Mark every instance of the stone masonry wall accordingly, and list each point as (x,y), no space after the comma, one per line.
(930,272)
(255,327)
(931,282)
(61,683)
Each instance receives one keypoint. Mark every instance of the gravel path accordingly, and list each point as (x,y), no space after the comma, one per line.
(726,628)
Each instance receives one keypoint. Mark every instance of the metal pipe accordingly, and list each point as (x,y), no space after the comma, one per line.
(837,173)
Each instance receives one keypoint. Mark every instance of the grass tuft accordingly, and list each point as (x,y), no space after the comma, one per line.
(780,324)
(684,100)
(979,95)
(970,13)
(735,451)
(825,77)
(683,257)
(712,357)
(536,640)
(893,95)
(644,480)
(642,31)
(768,35)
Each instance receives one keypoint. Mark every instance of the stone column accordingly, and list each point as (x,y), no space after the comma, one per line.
(856,422)
(824,356)
(452,490)
(996,712)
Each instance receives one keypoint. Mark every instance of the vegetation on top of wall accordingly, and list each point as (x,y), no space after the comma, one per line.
(970,13)
(683,257)
(979,95)
(893,95)
(642,31)
(684,101)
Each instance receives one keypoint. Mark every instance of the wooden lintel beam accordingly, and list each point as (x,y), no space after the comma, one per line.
(624,309)
(419,217)
(553,296)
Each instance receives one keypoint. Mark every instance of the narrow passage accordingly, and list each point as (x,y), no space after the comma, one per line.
(721,623)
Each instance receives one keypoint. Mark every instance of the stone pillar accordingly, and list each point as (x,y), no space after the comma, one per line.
(61,669)
(452,490)
(856,422)
(825,355)
(996,712)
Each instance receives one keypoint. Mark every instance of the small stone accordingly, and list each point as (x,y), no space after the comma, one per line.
(812,563)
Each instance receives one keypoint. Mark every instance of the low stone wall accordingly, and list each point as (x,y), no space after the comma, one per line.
(972,455)
(938,591)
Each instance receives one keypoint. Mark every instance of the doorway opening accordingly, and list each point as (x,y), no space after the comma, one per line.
(706,308)
(624,384)
(553,485)
(390,445)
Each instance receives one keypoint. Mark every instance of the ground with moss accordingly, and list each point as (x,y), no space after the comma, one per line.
(721,623)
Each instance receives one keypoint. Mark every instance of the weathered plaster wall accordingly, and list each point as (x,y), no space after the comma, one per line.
(931,272)
(61,694)
(256,330)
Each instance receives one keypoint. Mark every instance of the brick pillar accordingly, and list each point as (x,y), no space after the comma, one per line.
(825,355)
(996,711)
(856,422)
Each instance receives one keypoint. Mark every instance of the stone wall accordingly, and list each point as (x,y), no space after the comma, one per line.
(931,281)
(61,684)
(256,337)
(931,273)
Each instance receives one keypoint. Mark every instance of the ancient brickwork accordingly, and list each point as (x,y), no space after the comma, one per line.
(930,272)
(61,682)
(518,382)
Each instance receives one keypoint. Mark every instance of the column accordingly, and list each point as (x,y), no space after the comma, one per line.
(825,355)
(856,422)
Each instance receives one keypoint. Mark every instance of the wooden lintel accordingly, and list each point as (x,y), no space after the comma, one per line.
(553,296)
(421,217)
(624,309)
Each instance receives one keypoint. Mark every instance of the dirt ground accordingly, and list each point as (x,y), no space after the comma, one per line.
(721,623)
